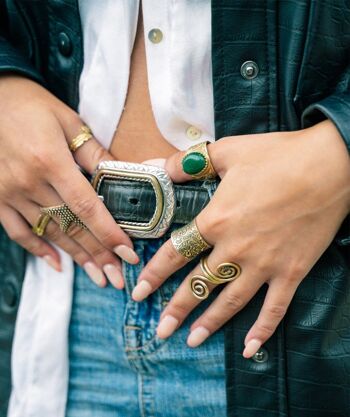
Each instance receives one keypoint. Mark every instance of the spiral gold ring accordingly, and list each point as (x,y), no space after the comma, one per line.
(188,241)
(225,272)
(84,135)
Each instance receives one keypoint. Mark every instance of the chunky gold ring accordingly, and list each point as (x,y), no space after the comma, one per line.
(196,162)
(40,225)
(188,241)
(225,272)
(64,214)
(79,140)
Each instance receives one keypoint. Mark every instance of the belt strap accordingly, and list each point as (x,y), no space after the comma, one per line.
(135,201)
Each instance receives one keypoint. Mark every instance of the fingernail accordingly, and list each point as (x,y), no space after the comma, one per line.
(53,263)
(158,162)
(197,336)
(114,275)
(127,254)
(251,348)
(142,290)
(94,273)
(167,326)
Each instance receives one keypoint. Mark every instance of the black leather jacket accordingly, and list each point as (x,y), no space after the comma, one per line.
(301,49)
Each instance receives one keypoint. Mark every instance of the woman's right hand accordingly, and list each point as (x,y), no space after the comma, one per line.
(39,170)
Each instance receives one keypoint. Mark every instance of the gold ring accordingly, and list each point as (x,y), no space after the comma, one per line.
(188,241)
(225,272)
(65,215)
(196,162)
(40,225)
(79,140)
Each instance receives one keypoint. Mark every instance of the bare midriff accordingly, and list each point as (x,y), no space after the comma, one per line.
(137,136)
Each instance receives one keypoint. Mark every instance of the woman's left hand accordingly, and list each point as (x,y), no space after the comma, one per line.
(281,199)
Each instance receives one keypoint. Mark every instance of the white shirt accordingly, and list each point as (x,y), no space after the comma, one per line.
(180,85)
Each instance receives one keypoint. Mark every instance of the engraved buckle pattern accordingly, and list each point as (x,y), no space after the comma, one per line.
(162,187)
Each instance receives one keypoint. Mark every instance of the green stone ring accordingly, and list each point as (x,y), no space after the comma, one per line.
(196,162)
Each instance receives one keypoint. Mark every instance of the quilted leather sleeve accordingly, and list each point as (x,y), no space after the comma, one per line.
(336,108)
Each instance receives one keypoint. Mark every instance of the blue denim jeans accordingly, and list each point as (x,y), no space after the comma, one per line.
(120,368)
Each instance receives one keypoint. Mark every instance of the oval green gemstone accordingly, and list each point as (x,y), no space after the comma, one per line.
(193,163)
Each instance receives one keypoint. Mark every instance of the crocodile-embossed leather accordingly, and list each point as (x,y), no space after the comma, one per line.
(302,50)
(134,201)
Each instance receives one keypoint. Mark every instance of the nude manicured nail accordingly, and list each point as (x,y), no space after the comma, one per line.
(142,290)
(94,273)
(158,162)
(251,348)
(127,254)
(167,326)
(53,263)
(114,275)
(197,336)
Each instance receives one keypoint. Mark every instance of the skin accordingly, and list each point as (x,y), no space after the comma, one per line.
(281,200)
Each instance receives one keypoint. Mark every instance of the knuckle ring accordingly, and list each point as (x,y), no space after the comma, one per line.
(64,214)
(225,272)
(188,241)
(40,225)
(84,135)
(196,162)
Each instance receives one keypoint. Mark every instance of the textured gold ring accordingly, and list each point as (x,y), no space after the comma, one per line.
(40,225)
(65,215)
(188,241)
(196,162)
(225,272)
(84,135)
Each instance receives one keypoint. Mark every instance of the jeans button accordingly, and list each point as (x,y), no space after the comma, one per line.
(64,44)
(261,356)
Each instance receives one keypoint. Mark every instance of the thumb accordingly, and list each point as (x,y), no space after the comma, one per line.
(175,167)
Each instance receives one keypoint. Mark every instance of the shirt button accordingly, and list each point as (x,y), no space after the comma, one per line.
(249,70)
(261,356)
(193,133)
(64,44)
(155,35)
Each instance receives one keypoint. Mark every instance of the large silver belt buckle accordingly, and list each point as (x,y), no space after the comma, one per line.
(162,187)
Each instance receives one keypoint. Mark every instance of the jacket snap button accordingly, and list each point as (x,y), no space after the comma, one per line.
(9,295)
(249,70)
(261,356)
(64,44)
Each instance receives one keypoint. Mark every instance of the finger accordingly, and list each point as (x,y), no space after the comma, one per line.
(277,300)
(31,212)
(102,257)
(91,153)
(184,301)
(19,231)
(232,299)
(84,202)
(165,262)
(173,164)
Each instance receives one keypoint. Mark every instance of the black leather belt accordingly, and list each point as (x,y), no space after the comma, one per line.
(131,194)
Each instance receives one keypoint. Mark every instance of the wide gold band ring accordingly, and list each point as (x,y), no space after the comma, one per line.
(188,241)
(64,214)
(225,272)
(196,162)
(84,135)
